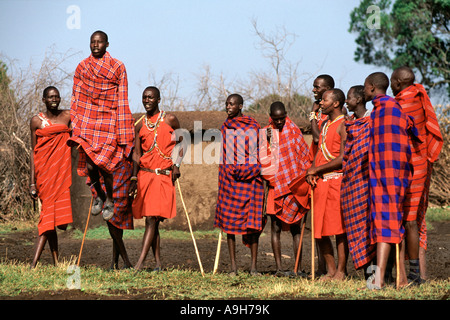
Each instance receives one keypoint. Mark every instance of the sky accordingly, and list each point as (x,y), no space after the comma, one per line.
(181,37)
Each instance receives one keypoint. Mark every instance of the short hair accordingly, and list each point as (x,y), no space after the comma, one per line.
(379,80)
(277,105)
(338,95)
(154,89)
(237,96)
(358,91)
(46,90)
(329,81)
(406,74)
(101,33)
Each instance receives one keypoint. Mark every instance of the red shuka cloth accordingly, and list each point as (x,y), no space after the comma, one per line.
(328,218)
(284,163)
(155,193)
(416,103)
(53,172)
(240,192)
(101,119)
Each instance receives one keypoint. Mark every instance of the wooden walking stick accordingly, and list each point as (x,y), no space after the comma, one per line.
(397,260)
(216,262)
(85,230)
(190,229)
(312,234)
(300,245)
(140,119)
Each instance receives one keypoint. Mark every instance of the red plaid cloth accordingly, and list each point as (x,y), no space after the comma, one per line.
(101,119)
(240,192)
(123,216)
(390,168)
(292,161)
(355,191)
(416,103)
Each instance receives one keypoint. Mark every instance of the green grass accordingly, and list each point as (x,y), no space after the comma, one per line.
(102,232)
(16,279)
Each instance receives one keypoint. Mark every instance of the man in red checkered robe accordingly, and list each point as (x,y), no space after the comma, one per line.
(286,165)
(355,180)
(103,132)
(390,172)
(240,192)
(415,102)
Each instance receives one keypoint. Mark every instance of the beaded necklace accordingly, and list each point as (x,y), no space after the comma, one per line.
(154,127)
(327,154)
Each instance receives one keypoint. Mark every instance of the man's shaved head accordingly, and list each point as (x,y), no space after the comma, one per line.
(379,80)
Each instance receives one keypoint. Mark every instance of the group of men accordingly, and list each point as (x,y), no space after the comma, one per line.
(364,178)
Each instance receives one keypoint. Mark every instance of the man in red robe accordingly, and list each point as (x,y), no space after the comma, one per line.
(288,153)
(102,121)
(355,196)
(51,172)
(325,176)
(415,102)
(239,208)
(103,132)
(155,171)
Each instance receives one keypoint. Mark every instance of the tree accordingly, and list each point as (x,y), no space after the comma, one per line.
(409,32)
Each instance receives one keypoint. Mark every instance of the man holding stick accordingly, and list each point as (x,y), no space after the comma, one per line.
(415,102)
(325,176)
(155,171)
(390,173)
(289,155)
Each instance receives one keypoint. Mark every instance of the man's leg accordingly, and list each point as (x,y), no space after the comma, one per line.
(342,252)
(53,244)
(295,232)
(253,240)
(42,239)
(156,247)
(150,225)
(104,201)
(326,248)
(412,245)
(275,231)
(118,245)
(383,251)
(231,241)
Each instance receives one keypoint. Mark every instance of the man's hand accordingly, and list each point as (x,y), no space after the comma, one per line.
(175,174)
(33,192)
(133,189)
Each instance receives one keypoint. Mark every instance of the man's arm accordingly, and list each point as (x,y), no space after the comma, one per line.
(35,122)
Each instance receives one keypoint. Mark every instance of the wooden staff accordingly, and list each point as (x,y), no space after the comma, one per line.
(135,124)
(216,262)
(397,260)
(312,234)
(85,230)
(190,229)
(300,245)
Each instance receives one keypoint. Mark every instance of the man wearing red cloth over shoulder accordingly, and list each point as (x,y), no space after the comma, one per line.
(103,126)
(239,209)
(415,102)
(51,173)
(155,170)
(103,133)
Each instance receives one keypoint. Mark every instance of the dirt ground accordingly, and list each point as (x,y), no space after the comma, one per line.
(19,246)
(199,189)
